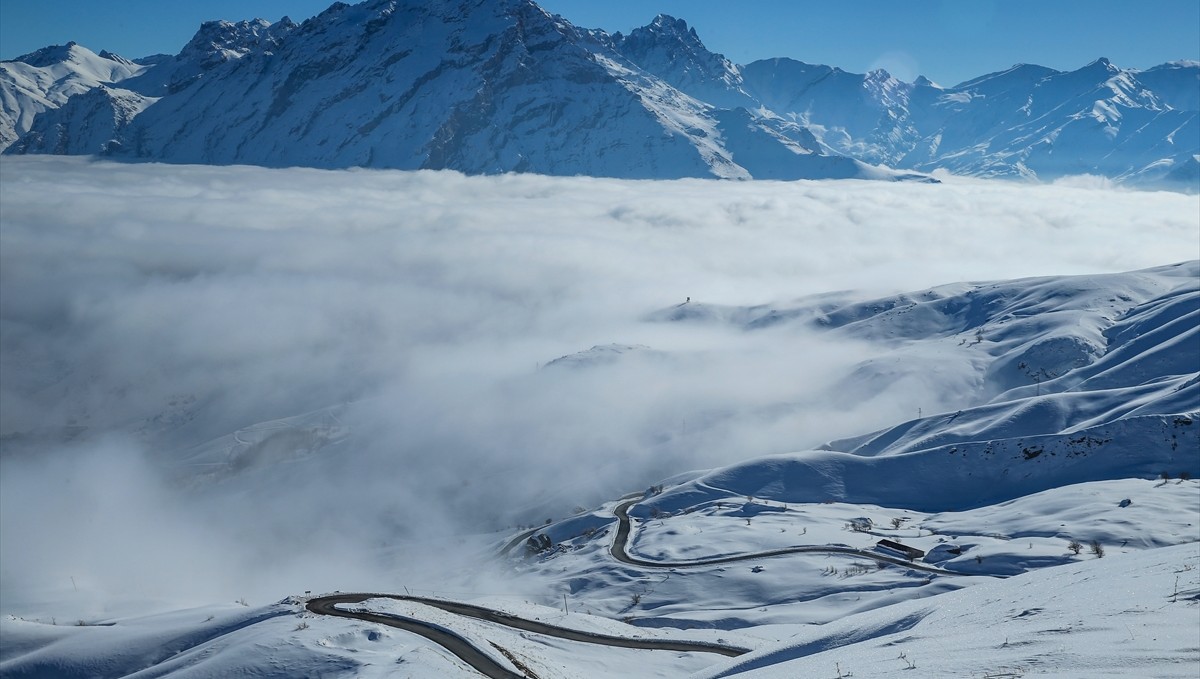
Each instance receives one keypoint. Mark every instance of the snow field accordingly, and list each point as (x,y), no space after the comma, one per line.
(1128,615)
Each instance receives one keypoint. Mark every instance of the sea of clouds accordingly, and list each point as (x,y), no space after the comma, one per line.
(158,324)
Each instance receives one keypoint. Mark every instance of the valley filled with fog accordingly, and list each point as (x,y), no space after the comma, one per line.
(163,324)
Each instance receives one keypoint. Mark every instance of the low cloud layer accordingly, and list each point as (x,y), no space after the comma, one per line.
(158,322)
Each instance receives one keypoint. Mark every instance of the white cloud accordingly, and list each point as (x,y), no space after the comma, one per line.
(170,306)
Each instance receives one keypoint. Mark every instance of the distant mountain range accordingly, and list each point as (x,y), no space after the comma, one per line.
(492,86)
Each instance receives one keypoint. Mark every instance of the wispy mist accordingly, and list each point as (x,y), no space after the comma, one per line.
(158,321)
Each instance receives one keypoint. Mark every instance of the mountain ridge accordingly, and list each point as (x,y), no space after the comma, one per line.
(669,105)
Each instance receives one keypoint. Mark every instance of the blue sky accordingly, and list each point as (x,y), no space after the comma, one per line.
(947,40)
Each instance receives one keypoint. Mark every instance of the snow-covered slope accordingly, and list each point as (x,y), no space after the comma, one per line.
(1095,458)
(1127,616)
(1051,382)
(45,79)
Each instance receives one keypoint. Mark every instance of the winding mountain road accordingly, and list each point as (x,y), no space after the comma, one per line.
(488,666)
(465,650)
(620,544)
(470,654)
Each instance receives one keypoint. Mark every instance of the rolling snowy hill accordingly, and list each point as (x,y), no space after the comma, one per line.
(495,87)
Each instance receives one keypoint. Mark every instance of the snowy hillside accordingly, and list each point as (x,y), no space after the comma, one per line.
(495,87)
(1121,617)
(1052,382)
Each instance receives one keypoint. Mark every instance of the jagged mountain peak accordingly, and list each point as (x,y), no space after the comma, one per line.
(1101,69)
(665,23)
(878,75)
(223,40)
(673,51)
(666,33)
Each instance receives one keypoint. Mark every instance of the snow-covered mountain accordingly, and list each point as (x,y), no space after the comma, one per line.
(44,80)
(480,87)
(1029,121)
(490,87)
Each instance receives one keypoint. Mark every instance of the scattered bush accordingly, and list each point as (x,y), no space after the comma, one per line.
(1074,546)
(1096,548)
(855,569)
(860,525)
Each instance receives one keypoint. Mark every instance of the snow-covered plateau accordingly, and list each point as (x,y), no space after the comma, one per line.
(495,86)
(374,423)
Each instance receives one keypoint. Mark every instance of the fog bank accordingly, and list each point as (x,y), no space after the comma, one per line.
(234,381)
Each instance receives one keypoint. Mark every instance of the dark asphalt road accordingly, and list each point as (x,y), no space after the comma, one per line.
(620,543)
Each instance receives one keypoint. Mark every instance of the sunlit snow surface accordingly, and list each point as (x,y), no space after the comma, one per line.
(228,382)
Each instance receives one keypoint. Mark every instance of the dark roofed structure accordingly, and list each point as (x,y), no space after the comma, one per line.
(911,553)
